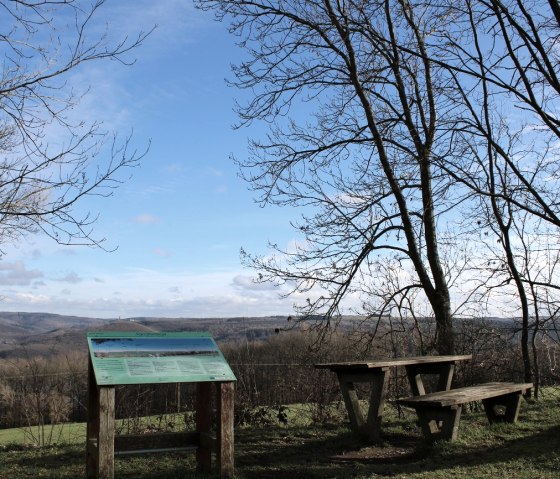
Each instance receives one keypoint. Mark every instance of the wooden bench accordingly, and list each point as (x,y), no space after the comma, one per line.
(439,413)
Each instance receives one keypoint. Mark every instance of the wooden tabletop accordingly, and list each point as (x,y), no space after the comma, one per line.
(387,363)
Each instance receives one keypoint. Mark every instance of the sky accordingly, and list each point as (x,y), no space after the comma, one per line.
(177,226)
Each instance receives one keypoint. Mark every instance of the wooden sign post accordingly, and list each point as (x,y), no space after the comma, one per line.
(142,358)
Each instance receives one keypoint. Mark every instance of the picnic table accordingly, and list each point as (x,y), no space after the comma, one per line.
(377,372)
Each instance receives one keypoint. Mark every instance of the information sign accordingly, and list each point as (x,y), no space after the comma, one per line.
(143,358)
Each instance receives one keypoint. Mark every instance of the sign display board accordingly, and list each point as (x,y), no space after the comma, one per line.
(147,358)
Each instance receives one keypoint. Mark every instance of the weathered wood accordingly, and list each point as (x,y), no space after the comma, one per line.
(360,377)
(101,444)
(439,413)
(389,363)
(443,370)
(511,403)
(440,423)
(105,442)
(352,403)
(225,429)
(464,395)
(151,450)
(377,374)
(203,424)
(92,427)
(162,440)
(208,440)
(376,404)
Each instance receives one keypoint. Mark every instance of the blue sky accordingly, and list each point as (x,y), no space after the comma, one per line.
(182,218)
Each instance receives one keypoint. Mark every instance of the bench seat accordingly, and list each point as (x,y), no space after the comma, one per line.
(439,413)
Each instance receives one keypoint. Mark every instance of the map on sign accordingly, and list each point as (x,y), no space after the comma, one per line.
(140,358)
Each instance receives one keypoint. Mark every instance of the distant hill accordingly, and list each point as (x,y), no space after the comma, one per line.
(30,334)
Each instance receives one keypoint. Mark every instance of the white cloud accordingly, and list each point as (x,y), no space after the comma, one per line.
(71,277)
(152,293)
(16,274)
(248,283)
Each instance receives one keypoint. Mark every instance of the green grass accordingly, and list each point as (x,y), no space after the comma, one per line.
(529,449)
(73,433)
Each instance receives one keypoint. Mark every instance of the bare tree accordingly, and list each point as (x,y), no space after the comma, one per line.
(49,159)
(364,158)
(415,110)
(502,61)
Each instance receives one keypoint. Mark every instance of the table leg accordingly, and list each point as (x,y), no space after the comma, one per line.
(414,375)
(445,377)
(376,404)
(443,371)
(352,404)
(378,379)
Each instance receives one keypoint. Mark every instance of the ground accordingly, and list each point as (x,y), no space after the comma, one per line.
(529,449)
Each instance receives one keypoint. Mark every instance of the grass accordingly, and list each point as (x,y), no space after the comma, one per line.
(73,433)
(529,449)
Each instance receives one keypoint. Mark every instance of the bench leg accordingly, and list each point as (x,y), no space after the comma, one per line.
(510,403)
(440,423)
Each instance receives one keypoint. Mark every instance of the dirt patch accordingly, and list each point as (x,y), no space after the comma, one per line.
(388,453)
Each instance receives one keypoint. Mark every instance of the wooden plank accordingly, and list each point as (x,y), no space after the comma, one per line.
(131,442)
(360,365)
(161,450)
(208,440)
(361,376)
(225,436)
(105,444)
(464,395)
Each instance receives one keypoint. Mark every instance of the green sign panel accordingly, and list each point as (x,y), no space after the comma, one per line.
(143,358)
